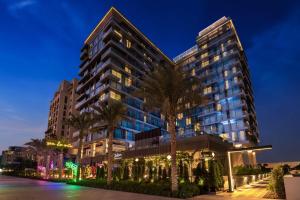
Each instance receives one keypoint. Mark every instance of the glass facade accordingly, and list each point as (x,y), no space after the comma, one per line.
(114,57)
(219,61)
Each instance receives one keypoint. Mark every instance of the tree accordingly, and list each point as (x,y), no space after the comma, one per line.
(109,116)
(39,147)
(276,184)
(171,91)
(82,123)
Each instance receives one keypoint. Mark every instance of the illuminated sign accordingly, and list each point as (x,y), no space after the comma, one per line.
(72,166)
(117,156)
(59,144)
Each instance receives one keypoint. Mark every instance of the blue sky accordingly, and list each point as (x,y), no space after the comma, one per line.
(40,43)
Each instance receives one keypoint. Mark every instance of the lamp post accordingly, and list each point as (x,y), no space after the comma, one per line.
(240,150)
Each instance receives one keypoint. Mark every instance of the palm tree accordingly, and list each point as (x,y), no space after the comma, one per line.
(38,146)
(109,116)
(171,91)
(82,123)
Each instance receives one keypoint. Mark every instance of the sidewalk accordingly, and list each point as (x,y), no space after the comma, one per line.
(254,191)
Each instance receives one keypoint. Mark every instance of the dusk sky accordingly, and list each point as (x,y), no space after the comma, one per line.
(40,44)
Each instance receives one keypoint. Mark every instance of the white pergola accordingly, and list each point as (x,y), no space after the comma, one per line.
(240,150)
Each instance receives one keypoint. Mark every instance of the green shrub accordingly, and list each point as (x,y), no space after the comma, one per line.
(247,170)
(188,190)
(158,188)
(276,184)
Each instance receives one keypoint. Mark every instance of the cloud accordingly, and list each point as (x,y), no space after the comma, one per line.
(17,6)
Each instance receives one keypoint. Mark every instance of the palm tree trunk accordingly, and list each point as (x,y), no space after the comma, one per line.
(61,155)
(79,158)
(172,131)
(47,165)
(110,159)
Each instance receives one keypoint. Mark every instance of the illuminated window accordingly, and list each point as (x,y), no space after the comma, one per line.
(207,90)
(128,82)
(128,44)
(222,47)
(197,127)
(118,33)
(225,73)
(234,70)
(242,135)
(115,96)
(205,63)
(216,58)
(116,74)
(102,97)
(229,41)
(224,136)
(204,55)
(193,72)
(188,121)
(204,46)
(226,84)
(236,80)
(145,118)
(233,136)
(127,70)
(219,107)
(187,105)
(180,116)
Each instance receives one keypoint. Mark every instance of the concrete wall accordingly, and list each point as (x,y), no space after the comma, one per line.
(292,186)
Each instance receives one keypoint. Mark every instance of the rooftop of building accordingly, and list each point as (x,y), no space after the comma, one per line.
(113,10)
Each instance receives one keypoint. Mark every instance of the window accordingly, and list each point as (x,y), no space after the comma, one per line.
(187,105)
(219,107)
(225,73)
(233,136)
(216,58)
(180,116)
(204,55)
(222,47)
(207,90)
(115,96)
(118,33)
(193,72)
(102,97)
(234,70)
(128,70)
(116,74)
(128,82)
(204,46)
(188,121)
(197,127)
(128,44)
(145,118)
(226,84)
(236,80)
(205,63)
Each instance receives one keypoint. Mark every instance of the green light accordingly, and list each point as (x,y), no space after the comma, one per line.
(72,166)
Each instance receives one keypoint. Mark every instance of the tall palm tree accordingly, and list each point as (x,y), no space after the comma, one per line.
(171,91)
(109,116)
(82,123)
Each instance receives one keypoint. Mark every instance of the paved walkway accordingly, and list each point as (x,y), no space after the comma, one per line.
(12,188)
(254,191)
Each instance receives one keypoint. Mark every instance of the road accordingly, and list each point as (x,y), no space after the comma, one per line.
(12,188)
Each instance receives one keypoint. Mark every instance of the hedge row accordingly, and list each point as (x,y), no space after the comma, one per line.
(186,190)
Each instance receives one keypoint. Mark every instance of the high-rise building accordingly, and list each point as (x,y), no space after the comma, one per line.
(114,56)
(61,107)
(218,59)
